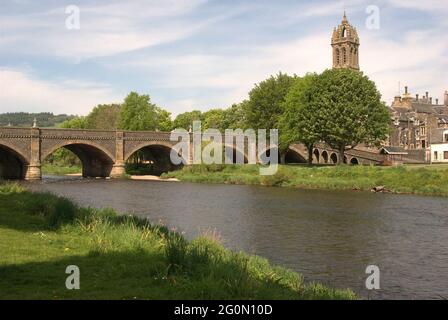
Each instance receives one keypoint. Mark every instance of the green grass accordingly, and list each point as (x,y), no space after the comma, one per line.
(123,257)
(59,170)
(429,180)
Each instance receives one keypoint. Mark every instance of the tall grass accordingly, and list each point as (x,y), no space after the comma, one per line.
(125,257)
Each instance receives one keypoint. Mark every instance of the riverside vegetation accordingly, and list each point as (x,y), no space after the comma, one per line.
(427,180)
(124,257)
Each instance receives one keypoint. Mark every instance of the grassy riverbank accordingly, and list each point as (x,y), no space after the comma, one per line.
(122,257)
(416,180)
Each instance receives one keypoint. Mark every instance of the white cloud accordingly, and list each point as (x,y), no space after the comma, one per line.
(20,91)
(202,78)
(104,30)
(427,5)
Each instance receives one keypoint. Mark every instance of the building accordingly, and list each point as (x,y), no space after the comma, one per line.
(439,145)
(345,43)
(417,122)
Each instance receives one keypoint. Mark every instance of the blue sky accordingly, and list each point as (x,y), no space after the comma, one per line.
(201,54)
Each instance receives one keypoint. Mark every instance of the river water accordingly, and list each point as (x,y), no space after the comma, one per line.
(328,236)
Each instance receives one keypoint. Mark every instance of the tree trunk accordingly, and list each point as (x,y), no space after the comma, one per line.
(341,155)
(310,154)
(282,157)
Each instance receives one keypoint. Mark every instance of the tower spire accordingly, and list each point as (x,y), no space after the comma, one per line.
(345,43)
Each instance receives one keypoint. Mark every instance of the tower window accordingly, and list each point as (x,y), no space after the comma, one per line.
(338,57)
(344,33)
(344,55)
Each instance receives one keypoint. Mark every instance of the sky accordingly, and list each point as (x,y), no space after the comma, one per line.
(203,54)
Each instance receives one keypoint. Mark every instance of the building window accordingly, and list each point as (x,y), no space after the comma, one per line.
(344,55)
(436,155)
(423,131)
(423,144)
(446,137)
(445,155)
(338,58)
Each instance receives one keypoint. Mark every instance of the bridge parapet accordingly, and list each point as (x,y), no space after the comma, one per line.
(146,136)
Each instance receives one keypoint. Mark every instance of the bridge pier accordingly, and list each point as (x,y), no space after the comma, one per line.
(33,172)
(118,170)
(33,169)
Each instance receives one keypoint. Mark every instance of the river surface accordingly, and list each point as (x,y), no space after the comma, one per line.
(328,236)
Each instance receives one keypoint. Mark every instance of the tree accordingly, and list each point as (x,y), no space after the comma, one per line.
(164,122)
(185,120)
(213,119)
(104,116)
(266,101)
(75,123)
(235,116)
(349,110)
(299,123)
(138,113)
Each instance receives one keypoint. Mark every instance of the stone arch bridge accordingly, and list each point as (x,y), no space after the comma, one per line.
(104,153)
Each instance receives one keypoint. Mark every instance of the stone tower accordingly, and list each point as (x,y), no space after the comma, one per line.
(345,43)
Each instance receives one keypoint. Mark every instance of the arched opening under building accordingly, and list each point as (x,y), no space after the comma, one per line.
(334,158)
(316,156)
(12,164)
(151,160)
(293,157)
(87,160)
(354,161)
(345,159)
(325,156)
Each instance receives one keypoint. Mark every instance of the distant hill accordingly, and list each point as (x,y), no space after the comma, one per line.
(24,119)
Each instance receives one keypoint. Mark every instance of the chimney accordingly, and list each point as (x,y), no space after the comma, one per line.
(416,97)
(446,98)
(406,90)
(427,95)
(437,102)
(430,100)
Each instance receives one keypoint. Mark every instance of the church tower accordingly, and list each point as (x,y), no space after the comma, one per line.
(345,43)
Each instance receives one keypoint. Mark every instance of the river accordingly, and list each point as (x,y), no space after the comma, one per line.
(328,236)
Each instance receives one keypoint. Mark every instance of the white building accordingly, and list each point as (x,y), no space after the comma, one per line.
(439,146)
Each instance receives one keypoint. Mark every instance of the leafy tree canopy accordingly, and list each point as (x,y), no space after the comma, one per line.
(299,123)
(138,113)
(185,120)
(75,123)
(348,108)
(104,116)
(266,101)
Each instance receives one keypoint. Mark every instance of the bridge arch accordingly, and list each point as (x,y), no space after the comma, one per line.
(324,157)
(95,159)
(316,156)
(151,157)
(334,158)
(13,164)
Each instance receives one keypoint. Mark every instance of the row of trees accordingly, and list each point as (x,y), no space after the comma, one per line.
(340,107)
